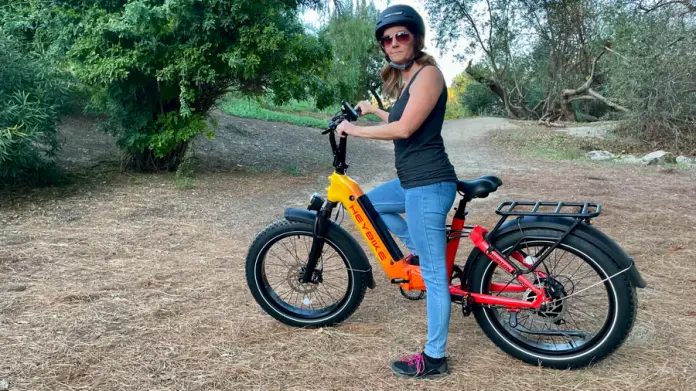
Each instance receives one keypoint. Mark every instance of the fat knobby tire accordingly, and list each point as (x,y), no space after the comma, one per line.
(254,266)
(621,292)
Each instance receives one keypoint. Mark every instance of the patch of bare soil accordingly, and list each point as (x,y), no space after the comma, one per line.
(126,282)
(254,147)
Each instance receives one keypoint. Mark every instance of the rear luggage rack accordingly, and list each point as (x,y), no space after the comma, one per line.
(579,211)
(582,210)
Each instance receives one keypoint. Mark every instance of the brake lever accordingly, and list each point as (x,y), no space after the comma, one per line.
(332,125)
(335,121)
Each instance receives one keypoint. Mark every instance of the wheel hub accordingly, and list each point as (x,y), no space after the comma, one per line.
(555,310)
(294,277)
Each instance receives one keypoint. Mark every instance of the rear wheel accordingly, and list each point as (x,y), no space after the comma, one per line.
(588,319)
(276,260)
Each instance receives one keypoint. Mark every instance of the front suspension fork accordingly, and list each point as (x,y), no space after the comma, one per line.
(321,228)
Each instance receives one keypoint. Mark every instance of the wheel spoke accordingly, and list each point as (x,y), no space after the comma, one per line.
(564,267)
(289,252)
(578,309)
(278,281)
(307,246)
(295,249)
(571,270)
(330,295)
(279,257)
(282,266)
(589,274)
(559,261)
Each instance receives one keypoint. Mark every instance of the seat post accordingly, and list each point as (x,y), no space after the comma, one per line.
(461,209)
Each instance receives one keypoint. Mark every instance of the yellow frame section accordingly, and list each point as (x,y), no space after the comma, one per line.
(346,191)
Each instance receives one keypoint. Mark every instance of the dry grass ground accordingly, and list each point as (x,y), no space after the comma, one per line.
(126,282)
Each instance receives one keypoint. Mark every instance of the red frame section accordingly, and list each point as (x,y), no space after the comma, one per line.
(477,236)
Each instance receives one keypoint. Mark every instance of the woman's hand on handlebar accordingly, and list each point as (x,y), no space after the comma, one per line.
(365,107)
(345,128)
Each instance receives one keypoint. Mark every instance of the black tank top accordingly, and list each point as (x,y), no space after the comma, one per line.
(421,159)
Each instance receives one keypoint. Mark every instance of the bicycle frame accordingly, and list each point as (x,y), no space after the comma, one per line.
(344,190)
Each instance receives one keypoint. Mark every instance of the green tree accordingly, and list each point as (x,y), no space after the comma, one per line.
(460,83)
(455,109)
(652,73)
(357,59)
(31,91)
(532,50)
(160,66)
(479,100)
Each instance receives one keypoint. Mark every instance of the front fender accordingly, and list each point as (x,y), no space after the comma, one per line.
(359,263)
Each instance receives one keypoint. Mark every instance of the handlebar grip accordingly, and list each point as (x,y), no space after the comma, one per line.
(359,111)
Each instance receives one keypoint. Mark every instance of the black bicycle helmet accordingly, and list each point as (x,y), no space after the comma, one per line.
(403,15)
(400,15)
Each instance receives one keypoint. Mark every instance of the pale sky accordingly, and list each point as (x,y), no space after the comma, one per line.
(450,67)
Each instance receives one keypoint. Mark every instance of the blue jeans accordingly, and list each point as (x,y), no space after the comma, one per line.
(426,209)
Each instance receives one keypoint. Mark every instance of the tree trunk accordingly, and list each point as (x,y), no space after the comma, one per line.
(146,161)
(570,95)
(568,113)
(497,89)
(607,101)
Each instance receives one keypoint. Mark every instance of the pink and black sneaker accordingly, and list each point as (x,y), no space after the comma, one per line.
(420,366)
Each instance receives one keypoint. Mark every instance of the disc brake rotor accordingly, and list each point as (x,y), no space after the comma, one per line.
(293,279)
(555,311)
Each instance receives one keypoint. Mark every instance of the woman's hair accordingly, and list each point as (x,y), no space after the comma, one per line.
(392,77)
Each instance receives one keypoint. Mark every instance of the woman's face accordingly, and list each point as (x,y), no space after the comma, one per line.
(398,43)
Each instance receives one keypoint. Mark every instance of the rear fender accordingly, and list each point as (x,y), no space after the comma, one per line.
(583,231)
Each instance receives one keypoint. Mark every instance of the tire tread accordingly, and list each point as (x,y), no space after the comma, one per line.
(283,225)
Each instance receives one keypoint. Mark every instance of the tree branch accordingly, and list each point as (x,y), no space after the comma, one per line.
(490,26)
(582,97)
(538,22)
(690,6)
(478,35)
(607,101)
(496,88)
(583,88)
(541,102)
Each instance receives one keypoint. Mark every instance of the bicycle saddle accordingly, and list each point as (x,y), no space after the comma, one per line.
(479,187)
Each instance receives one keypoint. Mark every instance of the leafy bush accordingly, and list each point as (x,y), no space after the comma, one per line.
(479,100)
(160,66)
(454,110)
(30,92)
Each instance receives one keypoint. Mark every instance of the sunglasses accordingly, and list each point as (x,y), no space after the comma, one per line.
(402,37)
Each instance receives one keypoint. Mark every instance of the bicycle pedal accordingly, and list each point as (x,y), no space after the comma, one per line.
(399,281)
(467,306)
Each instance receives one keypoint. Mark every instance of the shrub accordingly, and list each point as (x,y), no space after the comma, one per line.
(30,92)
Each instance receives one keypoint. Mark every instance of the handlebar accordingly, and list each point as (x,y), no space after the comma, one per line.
(347,113)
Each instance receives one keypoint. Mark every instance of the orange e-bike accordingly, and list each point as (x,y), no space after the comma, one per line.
(544,284)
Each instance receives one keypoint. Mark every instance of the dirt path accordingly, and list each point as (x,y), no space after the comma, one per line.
(124,282)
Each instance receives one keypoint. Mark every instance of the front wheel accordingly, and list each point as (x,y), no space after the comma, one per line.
(277,259)
(591,315)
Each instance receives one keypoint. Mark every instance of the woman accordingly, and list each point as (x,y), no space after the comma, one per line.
(425,187)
